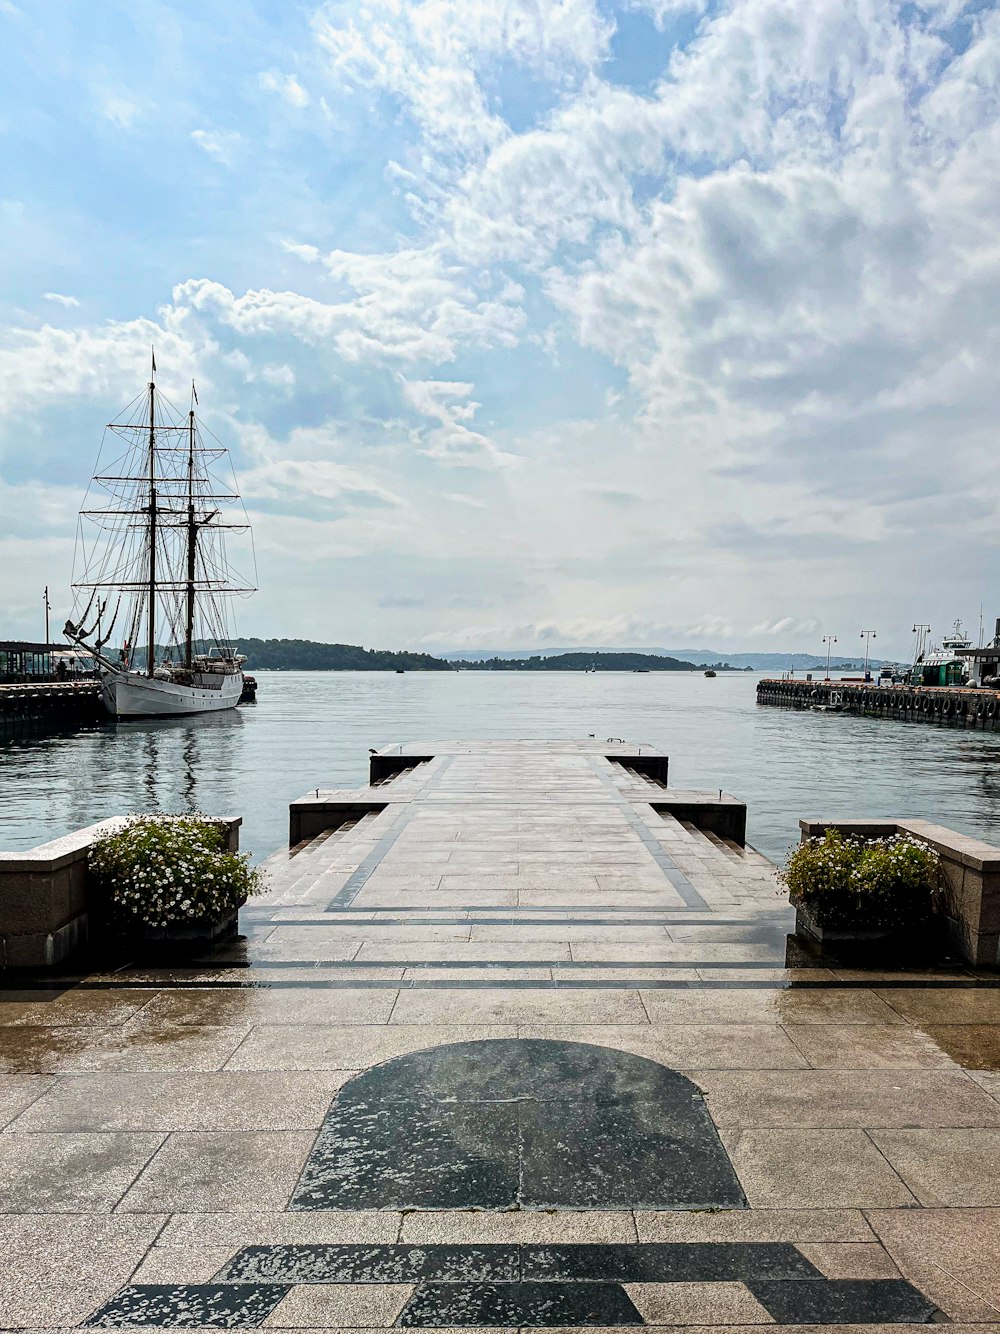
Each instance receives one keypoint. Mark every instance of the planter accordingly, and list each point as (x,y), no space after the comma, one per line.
(808,921)
(177,940)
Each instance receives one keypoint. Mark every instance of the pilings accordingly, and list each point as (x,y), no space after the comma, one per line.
(945,706)
(50,703)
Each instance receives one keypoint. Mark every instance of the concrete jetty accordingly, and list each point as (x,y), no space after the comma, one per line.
(512,1041)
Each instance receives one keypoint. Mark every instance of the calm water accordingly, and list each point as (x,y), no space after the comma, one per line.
(312,728)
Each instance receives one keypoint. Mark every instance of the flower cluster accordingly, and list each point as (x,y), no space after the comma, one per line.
(162,869)
(881,881)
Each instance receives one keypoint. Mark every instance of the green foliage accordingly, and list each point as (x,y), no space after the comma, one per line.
(581,662)
(874,883)
(163,869)
(305,656)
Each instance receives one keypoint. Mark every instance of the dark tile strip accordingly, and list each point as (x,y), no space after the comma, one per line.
(676,877)
(611,984)
(321,1263)
(356,882)
(482,921)
(657,1262)
(186,1305)
(839,1301)
(527,1305)
(457,965)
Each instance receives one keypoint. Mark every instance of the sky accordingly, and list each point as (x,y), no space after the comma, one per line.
(528,322)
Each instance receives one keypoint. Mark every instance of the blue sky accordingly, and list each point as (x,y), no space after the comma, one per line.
(527,321)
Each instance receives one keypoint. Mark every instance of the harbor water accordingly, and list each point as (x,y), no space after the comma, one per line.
(314,729)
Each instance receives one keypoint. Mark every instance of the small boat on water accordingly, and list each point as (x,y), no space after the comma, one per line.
(152,535)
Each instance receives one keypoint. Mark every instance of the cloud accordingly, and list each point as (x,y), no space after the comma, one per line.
(451,441)
(221,145)
(121,109)
(431,54)
(60,299)
(286,86)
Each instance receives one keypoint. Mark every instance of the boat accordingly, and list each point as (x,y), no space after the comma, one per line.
(709,672)
(152,535)
(943,666)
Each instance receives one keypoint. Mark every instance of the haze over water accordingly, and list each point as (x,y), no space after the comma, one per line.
(314,729)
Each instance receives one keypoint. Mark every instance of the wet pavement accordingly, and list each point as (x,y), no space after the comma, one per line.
(510,1048)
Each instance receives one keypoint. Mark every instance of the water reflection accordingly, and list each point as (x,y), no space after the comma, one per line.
(183,759)
(315,728)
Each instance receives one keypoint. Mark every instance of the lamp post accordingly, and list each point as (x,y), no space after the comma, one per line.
(920,643)
(48,608)
(829,641)
(867,636)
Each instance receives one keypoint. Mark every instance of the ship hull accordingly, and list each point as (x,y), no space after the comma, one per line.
(129,695)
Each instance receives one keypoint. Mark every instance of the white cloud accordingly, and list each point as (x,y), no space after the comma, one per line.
(286,86)
(60,299)
(429,53)
(221,145)
(452,441)
(121,109)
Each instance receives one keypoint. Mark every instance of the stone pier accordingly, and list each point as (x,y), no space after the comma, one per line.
(512,1042)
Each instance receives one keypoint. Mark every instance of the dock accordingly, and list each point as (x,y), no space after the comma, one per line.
(56,703)
(943,706)
(516,1038)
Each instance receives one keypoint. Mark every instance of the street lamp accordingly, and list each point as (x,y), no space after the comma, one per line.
(829,641)
(920,643)
(867,636)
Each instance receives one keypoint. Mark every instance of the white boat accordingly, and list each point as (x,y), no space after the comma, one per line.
(943,666)
(152,531)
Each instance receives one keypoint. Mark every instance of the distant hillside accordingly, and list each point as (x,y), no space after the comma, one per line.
(303,655)
(581,662)
(699,657)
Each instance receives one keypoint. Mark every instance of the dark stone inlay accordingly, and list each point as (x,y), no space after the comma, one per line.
(529,1122)
(537,1305)
(642,1155)
(668,1262)
(374,1155)
(651,1262)
(187,1305)
(843,1301)
(321,1263)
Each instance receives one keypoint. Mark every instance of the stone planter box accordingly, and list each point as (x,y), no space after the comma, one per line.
(48,907)
(968,902)
(808,922)
(182,937)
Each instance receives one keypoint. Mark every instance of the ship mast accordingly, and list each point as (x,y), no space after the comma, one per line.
(192,540)
(151,642)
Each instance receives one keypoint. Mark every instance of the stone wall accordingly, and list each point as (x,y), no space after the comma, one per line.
(45,901)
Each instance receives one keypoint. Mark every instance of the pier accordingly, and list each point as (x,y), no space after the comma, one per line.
(943,706)
(516,1038)
(56,703)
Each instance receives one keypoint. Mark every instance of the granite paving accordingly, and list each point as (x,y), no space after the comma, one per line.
(518,1037)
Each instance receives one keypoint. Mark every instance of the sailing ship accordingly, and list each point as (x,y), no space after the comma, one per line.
(152,536)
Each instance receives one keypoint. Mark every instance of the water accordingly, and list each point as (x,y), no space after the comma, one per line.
(314,729)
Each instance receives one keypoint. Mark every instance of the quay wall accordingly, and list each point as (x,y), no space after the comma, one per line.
(56,703)
(943,706)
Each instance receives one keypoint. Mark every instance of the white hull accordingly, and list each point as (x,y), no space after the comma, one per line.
(131,695)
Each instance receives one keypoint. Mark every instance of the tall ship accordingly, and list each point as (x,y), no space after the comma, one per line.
(152,578)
